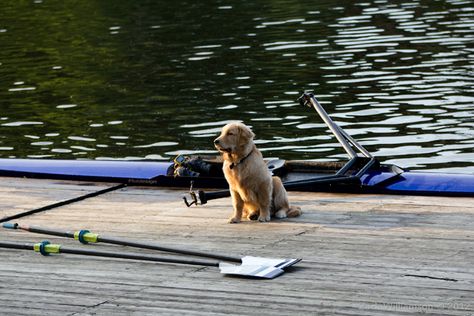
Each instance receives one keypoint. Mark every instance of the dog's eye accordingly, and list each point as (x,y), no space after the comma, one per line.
(230,133)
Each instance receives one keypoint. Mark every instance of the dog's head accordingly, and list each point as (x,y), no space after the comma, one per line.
(234,138)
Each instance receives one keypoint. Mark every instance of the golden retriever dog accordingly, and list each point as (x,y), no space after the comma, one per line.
(255,193)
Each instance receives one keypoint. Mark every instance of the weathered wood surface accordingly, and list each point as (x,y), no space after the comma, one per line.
(363,255)
(18,195)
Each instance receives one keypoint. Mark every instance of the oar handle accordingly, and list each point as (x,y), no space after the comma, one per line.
(10,225)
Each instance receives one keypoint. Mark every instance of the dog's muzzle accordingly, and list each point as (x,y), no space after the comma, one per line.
(219,147)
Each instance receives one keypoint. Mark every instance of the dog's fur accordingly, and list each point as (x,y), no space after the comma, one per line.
(255,193)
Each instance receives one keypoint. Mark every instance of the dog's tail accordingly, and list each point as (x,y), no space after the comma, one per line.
(294,211)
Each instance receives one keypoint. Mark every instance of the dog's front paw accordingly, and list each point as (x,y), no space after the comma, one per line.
(264,218)
(234,220)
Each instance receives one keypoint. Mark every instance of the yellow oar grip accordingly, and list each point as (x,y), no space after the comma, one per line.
(45,248)
(85,236)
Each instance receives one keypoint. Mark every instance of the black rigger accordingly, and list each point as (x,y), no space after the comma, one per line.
(342,177)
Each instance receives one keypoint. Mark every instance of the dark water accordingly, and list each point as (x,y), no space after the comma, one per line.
(151,79)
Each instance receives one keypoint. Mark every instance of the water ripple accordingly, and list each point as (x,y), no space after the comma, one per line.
(396,75)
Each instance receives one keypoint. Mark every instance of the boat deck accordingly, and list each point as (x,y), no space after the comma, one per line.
(362,255)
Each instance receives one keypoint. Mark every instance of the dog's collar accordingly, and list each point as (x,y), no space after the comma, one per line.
(234,164)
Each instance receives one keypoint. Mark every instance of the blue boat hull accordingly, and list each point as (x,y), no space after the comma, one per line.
(85,168)
(425,183)
(380,179)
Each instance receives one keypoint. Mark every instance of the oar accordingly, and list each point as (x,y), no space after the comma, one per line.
(85,236)
(249,266)
(62,203)
(46,248)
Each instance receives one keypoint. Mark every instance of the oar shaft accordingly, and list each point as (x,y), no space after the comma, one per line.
(11,245)
(153,246)
(135,256)
(62,203)
(46,231)
(118,255)
(126,242)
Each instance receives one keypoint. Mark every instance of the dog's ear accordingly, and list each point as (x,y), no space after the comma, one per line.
(246,134)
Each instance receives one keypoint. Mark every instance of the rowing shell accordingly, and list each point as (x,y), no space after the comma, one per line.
(297,175)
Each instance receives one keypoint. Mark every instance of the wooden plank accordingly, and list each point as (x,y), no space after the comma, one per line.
(363,255)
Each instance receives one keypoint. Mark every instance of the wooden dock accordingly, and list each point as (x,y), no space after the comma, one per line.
(362,255)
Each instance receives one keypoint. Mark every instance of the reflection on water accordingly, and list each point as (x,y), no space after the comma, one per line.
(151,79)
